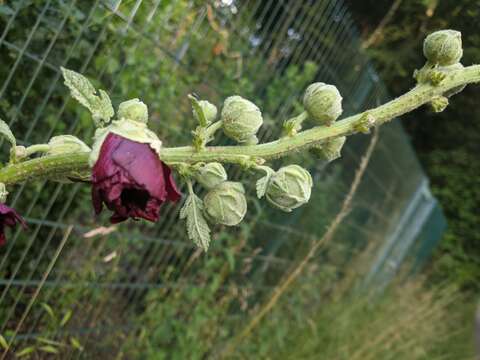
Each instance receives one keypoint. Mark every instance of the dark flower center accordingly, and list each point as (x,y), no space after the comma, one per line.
(135,198)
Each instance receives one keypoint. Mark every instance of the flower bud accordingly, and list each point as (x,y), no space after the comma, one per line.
(66,144)
(331,149)
(252,140)
(323,103)
(134,110)
(226,203)
(209,110)
(211,175)
(443,47)
(241,118)
(289,188)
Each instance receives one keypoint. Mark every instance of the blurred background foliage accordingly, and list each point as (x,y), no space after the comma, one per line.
(448,143)
(143,292)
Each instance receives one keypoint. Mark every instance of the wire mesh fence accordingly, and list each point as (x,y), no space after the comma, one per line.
(69,279)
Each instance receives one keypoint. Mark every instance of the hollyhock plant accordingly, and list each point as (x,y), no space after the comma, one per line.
(131,180)
(8,217)
(126,162)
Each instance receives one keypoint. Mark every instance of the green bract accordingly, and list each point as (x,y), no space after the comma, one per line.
(209,110)
(66,144)
(289,188)
(134,110)
(129,129)
(226,203)
(443,47)
(241,118)
(211,175)
(323,103)
(331,149)
(449,69)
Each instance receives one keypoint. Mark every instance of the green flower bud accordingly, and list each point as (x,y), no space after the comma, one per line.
(66,144)
(252,140)
(331,149)
(289,188)
(323,103)
(211,175)
(443,47)
(226,203)
(241,118)
(209,110)
(134,110)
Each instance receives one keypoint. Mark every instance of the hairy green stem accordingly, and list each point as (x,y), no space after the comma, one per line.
(74,164)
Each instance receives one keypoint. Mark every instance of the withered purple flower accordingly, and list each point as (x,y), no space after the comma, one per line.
(131,180)
(8,217)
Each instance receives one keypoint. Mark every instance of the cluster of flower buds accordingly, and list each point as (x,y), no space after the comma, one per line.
(286,189)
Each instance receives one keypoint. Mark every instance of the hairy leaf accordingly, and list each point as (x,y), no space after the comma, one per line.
(262,183)
(197,227)
(84,92)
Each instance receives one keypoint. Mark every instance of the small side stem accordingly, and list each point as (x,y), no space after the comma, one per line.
(37,148)
(212,129)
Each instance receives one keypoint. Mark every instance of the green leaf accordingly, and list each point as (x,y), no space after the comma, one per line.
(7,133)
(48,341)
(49,310)
(262,183)
(84,92)
(76,343)
(25,351)
(48,349)
(202,119)
(197,227)
(66,317)
(3,342)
